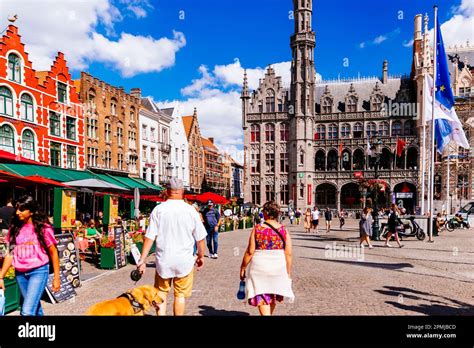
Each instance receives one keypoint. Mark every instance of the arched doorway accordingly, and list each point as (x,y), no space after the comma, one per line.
(400,161)
(412,158)
(346,160)
(358,160)
(405,196)
(326,196)
(350,196)
(386,159)
(320,160)
(332,160)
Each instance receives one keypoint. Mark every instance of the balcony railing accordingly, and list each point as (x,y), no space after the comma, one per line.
(368,174)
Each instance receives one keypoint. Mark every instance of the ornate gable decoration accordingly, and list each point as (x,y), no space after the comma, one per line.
(327,101)
(352,99)
(376,98)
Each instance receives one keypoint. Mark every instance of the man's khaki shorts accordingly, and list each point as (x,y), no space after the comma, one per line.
(182,286)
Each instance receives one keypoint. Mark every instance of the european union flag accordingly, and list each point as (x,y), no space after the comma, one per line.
(447,124)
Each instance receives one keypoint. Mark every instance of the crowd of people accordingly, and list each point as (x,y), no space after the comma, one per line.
(181,231)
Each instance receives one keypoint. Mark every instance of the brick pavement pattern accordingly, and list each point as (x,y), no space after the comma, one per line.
(420,279)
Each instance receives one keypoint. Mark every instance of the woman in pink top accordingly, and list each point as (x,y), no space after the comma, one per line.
(32,241)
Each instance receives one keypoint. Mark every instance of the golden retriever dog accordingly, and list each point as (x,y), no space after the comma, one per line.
(134,302)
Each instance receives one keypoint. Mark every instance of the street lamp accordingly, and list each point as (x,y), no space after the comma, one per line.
(375,213)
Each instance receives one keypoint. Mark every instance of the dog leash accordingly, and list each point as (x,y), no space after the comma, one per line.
(137,307)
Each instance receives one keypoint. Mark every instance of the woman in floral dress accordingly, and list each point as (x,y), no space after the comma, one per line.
(268,259)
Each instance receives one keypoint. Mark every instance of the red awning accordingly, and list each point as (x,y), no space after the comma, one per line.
(209,196)
(8,157)
(44,181)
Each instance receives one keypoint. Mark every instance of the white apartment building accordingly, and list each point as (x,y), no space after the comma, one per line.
(154,142)
(179,151)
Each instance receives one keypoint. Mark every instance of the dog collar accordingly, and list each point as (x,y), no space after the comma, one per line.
(137,307)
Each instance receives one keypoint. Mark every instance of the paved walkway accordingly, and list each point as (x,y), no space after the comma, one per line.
(420,279)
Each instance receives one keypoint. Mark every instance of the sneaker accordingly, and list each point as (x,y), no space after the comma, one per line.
(215,256)
(362,246)
(388,245)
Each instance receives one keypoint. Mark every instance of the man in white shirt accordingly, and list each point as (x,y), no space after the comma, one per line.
(315,218)
(175,226)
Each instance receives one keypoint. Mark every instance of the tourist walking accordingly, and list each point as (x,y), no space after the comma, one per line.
(298,216)
(291,216)
(211,221)
(365,227)
(268,258)
(315,218)
(6,214)
(307,220)
(328,218)
(393,224)
(33,245)
(342,220)
(175,226)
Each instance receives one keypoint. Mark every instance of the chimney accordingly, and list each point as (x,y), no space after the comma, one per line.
(136,92)
(211,140)
(385,72)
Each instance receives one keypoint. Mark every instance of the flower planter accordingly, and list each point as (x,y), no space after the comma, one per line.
(241,224)
(107,258)
(12,295)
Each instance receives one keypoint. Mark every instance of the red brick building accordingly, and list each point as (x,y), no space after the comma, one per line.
(41,117)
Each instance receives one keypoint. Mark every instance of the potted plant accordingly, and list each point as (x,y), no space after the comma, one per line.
(12,291)
(107,253)
(138,239)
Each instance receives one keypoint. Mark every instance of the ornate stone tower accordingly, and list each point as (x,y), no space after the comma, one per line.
(302,106)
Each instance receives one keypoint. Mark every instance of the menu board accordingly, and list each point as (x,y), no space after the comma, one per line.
(119,238)
(64,208)
(66,290)
(69,258)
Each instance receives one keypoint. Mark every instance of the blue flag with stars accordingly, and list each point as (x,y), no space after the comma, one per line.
(447,124)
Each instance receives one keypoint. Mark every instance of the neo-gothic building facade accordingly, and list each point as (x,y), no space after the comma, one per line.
(307,144)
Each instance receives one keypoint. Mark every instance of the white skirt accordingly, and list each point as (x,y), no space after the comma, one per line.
(266,274)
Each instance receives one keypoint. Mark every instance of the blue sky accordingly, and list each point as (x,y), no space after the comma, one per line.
(198,61)
(218,31)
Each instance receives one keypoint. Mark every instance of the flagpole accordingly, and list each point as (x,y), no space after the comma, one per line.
(423,157)
(430,223)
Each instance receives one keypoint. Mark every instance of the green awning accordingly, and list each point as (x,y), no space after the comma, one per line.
(64,175)
(148,184)
(111,179)
(58,174)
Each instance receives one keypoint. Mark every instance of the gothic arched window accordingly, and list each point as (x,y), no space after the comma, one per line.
(409,128)
(28,144)
(358,129)
(332,131)
(254,133)
(269,132)
(384,129)
(284,132)
(320,132)
(345,130)
(270,101)
(396,128)
(326,105)
(371,129)
(351,104)
(377,101)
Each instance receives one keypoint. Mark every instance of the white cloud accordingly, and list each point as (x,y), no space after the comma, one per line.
(216,95)
(459,28)
(137,7)
(408,43)
(49,26)
(380,39)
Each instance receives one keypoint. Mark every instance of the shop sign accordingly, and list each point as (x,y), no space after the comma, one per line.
(404,194)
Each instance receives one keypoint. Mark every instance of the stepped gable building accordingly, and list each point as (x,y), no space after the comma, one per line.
(306,145)
(196,152)
(112,138)
(41,118)
(217,175)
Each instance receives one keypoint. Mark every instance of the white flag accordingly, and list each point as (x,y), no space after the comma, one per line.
(452,127)
(369,151)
